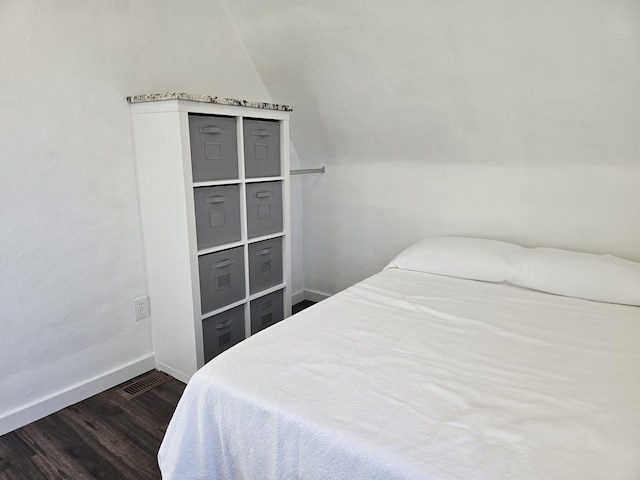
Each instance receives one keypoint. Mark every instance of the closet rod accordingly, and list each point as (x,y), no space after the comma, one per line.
(304,171)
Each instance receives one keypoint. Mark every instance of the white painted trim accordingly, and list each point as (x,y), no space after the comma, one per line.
(298,297)
(183,377)
(48,405)
(315,296)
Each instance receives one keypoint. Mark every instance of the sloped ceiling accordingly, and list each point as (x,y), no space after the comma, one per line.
(451,82)
(509,119)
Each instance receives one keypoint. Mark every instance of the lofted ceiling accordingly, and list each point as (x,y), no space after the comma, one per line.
(480,82)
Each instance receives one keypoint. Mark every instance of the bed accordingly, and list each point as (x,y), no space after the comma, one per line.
(463,359)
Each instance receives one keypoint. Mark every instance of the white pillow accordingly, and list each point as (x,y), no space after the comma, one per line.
(602,278)
(464,257)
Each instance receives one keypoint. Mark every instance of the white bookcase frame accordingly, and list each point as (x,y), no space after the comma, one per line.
(165,185)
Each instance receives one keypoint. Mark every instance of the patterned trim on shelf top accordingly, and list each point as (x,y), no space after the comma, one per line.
(159,97)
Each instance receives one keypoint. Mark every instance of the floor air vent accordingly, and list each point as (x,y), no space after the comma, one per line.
(145,384)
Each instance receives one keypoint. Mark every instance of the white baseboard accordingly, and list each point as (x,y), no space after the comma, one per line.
(298,297)
(183,377)
(48,405)
(315,296)
(311,295)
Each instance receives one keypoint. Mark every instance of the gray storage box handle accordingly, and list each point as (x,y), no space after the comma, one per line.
(212,130)
(222,325)
(264,251)
(260,133)
(265,194)
(215,199)
(266,305)
(223,263)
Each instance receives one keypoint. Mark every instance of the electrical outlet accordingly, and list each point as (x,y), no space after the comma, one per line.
(141,307)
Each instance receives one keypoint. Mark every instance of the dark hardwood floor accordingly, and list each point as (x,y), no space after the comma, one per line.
(107,436)
(301,306)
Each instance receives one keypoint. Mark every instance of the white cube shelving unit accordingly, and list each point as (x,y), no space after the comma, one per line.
(166,191)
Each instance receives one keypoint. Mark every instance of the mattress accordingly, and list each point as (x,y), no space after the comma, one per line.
(410,375)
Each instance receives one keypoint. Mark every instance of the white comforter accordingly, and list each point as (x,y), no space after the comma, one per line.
(415,376)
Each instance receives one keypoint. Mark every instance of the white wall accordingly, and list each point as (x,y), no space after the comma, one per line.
(510,120)
(71,251)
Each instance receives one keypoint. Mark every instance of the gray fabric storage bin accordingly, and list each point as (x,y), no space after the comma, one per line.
(222,331)
(221,278)
(267,310)
(265,264)
(264,208)
(261,148)
(214,147)
(217,215)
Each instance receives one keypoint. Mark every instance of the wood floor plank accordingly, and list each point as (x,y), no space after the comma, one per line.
(12,444)
(21,468)
(65,453)
(107,436)
(73,453)
(148,410)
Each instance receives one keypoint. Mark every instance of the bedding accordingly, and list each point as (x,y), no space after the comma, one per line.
(411,375)
(463,257)
(601,278)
